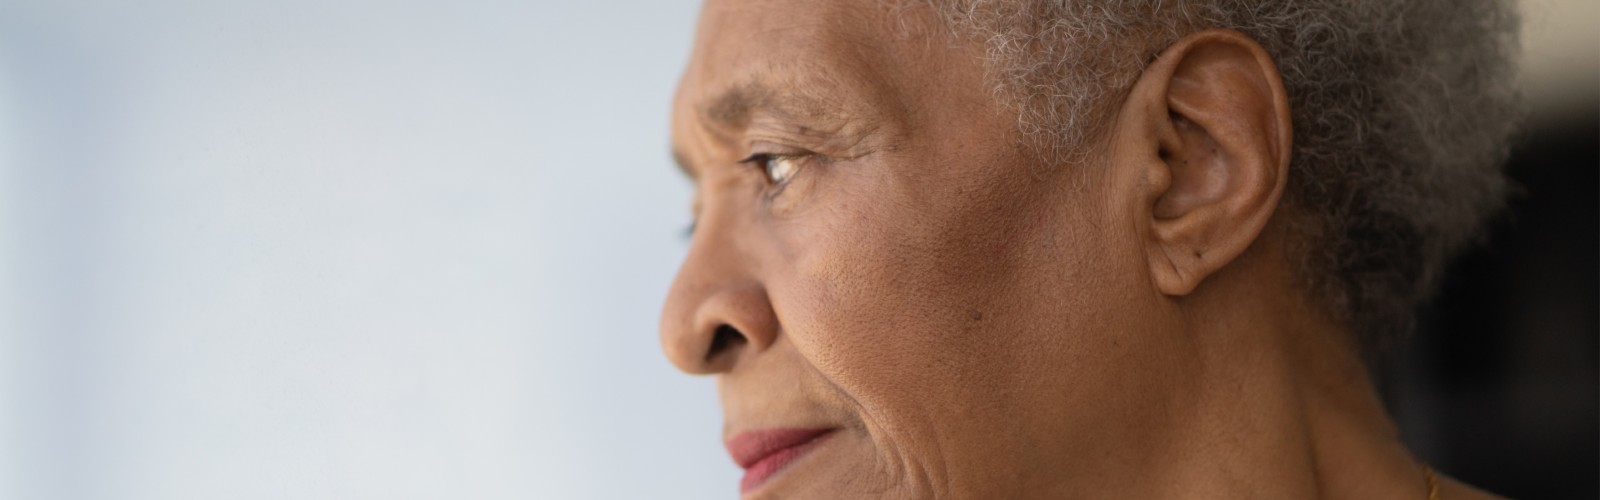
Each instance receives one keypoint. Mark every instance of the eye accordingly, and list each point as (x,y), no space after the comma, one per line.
(777,168)
(781,168)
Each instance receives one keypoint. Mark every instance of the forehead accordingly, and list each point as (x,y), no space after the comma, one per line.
(816,57)
(737,37)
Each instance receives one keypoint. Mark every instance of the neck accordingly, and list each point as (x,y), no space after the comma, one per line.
(1286,408)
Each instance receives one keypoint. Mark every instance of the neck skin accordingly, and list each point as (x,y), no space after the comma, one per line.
(1285,407)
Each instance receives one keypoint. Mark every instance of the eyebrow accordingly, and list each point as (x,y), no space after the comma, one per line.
(732,108)
(736,106)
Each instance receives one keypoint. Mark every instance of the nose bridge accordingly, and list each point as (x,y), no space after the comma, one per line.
(717,310)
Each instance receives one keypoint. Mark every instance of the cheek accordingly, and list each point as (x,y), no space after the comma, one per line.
(929,307)
(877,312)
(901,312)
(937,320)
(886,289)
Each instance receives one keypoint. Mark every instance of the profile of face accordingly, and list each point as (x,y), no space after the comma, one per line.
(899,299)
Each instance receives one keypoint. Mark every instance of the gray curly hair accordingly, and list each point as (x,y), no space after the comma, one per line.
(1402,109)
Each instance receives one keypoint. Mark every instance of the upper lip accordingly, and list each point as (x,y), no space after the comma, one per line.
(750,447)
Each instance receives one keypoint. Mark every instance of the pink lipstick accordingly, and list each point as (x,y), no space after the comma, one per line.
(763,453)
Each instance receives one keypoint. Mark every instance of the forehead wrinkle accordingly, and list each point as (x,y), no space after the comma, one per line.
(812,90)
(791,99)
(833,81)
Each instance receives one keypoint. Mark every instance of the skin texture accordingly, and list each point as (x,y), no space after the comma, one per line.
(977,324)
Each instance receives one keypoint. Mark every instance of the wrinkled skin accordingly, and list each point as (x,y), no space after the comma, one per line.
(978,324)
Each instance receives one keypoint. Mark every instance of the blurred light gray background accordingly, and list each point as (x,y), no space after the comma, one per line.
(354,249)
(361,249)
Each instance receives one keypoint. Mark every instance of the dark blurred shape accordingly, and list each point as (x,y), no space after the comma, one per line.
(1500,388)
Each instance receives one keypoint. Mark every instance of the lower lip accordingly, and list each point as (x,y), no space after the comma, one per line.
(761,471)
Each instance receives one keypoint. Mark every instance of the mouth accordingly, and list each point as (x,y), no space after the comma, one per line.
(764,453)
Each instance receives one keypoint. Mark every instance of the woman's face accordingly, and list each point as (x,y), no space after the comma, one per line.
(877,259)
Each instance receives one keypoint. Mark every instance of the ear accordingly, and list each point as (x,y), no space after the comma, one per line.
(1207,128)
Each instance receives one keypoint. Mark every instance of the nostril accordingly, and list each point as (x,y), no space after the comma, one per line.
(724,339)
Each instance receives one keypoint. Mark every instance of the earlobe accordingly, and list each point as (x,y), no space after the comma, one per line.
(1209,121)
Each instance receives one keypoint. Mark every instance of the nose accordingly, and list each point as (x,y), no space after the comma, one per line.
(717,313)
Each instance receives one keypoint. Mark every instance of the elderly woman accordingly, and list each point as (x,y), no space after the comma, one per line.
(1069,249)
